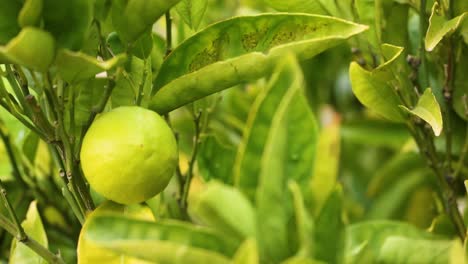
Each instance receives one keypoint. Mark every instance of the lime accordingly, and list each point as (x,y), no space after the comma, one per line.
(129,154)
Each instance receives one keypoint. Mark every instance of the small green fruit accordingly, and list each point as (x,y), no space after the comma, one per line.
(129,154)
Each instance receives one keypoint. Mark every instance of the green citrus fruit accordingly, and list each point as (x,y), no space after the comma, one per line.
(129,154)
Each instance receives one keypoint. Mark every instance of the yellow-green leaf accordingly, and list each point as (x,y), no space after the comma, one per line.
(167,241)
(247,253)
(225,209)
(76,66)
(300,150)
(32,48)
(400,249)
(192,11)
(34,228)
(300,6)
(30,13)
(439,26)
(372,88)
(242,49)
(428,109)
(131,18)
(326,163)
(89,252)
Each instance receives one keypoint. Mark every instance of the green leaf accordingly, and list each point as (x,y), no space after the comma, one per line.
(30,14)
(283,143)
(88,94)
(76,66)
(428,109)
(393,171)
(367,14)
(439,27)
(242,49)
(225,209)
(101,9)
(68,21)
(372,88)
(192,11)
(265,119)
(141,48)
(403,250)
(460,6)
(392,200)
(378,133)
(330,229)
(131,18)
(128,83)
(34,228)
(30,145)
(215,159)
(326,163)
(159,241)
(247,253)
(114,43)
(304,222)
(301,260)
(364,240)
(9,27)
(442,225)
(32,48)
(300,6)
(157,54)
(143,45)
(391,22)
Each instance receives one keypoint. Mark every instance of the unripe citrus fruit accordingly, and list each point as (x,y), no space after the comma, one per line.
(129,154)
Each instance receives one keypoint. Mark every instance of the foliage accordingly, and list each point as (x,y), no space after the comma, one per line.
(308,131)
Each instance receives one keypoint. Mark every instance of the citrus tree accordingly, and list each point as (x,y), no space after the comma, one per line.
(211,131)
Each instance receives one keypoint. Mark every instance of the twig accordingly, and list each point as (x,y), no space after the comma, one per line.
(424,77)
(76,182)
(168,33)
(6,224)
(189,174)
(71,199)
(3,192)
(103,50)
(461,159)
(426,145)
(448,89)
(42,251)
(74,206)
(16,89)
(141,91)
(7,105)
(39,118)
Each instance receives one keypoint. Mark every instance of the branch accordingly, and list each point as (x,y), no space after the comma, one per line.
(426,146)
